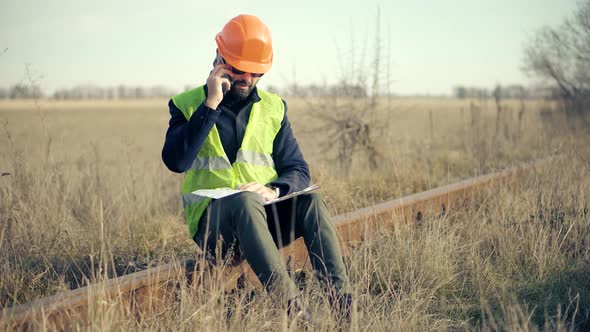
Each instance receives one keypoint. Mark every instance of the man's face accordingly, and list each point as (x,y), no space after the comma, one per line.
(242,83)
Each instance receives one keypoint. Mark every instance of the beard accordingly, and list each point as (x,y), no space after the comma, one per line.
(236,94)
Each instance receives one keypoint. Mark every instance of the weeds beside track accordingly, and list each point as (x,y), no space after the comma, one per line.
(143,292)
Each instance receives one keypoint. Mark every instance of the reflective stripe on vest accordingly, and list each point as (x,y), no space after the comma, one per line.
(211,167)
(207,163)
(255,158)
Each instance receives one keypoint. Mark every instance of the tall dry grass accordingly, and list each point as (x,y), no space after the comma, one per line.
(87,186)
(515,257)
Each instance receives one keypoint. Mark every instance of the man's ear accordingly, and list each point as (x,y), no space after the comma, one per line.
(217,59)
(216,56)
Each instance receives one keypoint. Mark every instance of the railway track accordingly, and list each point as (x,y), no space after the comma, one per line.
(142,291)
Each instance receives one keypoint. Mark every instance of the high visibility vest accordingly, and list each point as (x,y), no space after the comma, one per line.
(211,168)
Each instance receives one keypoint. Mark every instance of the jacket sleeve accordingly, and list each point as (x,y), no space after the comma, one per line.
(290,165)
(185,138)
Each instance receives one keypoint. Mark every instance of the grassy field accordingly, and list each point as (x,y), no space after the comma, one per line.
(85,178)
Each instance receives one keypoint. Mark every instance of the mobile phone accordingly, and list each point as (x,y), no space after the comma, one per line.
(223,88)
(221,61)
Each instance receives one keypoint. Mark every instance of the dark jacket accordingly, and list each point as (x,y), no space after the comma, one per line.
(185,138)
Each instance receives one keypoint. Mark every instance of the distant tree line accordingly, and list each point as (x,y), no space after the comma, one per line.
(21,91)
(340,89)
(514,91)
(463,92)
(91,91)
(344,89)
(87,91)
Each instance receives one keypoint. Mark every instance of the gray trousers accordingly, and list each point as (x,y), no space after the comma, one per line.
(255,232)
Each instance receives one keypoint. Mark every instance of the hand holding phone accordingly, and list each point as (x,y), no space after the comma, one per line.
(218,84)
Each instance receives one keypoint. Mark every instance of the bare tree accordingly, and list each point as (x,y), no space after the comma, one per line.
(347,113)
(561,56)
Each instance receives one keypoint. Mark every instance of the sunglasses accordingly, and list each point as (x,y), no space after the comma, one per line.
(239,72)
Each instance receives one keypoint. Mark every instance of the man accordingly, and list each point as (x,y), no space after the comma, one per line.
(229,133)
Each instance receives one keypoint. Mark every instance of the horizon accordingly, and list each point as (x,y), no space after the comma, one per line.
(283,91)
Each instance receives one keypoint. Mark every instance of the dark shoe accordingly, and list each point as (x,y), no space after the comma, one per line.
(296,310)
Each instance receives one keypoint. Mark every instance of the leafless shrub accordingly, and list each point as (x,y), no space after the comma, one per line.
(347,115)
(561,56)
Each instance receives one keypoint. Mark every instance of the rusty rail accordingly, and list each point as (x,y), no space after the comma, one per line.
(143,289)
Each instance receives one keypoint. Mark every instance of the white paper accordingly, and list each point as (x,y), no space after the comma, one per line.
(216,193)
(224,192)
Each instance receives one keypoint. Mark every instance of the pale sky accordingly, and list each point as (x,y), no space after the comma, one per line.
(432,45)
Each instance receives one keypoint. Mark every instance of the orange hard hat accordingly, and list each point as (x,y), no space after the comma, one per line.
(245,43)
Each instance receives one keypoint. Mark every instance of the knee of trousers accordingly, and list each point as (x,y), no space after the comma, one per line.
(245,204)
(313,203)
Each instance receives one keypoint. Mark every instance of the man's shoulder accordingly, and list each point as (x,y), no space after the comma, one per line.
(272,99)
(190,98)
(190,93)
(264,93)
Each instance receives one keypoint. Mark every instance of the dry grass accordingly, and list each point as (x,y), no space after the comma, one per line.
(515,258)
